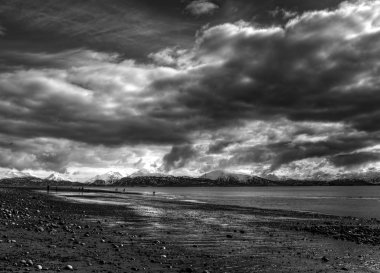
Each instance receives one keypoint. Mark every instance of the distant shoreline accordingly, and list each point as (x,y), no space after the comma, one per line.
(100,187)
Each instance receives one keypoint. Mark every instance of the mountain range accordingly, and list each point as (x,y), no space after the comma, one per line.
(146,178)
(57,177)
(105,179)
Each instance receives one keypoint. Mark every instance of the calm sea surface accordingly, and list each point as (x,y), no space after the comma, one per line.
(358,201)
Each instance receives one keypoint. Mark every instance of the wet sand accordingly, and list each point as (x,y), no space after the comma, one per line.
(149,234)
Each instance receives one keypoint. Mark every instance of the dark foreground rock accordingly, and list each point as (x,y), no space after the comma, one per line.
(38,232)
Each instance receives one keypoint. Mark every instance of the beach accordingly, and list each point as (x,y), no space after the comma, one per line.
(53,233)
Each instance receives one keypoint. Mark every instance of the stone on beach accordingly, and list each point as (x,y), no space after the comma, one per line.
(69,267)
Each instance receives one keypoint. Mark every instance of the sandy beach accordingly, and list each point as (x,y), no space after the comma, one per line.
(41,232)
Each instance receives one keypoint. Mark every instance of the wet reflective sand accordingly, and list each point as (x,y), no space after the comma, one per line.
(232,238)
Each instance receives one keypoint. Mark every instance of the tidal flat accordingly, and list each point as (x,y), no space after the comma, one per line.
(72,231)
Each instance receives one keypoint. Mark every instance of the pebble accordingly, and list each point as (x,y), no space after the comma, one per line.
(69,267)
(40,229)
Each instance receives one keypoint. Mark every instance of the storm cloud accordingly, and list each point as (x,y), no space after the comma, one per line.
(354,159)
(317,72)
(322,66)
(178,157)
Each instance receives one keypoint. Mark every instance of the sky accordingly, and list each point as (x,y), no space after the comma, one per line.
(183,87)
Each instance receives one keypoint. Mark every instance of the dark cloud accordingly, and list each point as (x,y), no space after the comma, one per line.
(16,60)
(134,28)
(249,155)
(354,159)
(178,157)
(300,72)
(285,153)
(75,104)
(34,154)
(2,30)
(60,155)
(139,164)
(340,150)
(85,78)
(320,67)
(56,161)
(283,13)
(219,146)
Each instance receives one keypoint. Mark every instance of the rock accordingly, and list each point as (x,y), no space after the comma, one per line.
(40,229)
(69,267)
(39,267)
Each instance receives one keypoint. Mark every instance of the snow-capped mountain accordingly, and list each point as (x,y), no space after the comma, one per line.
(219,174)
(144,172)
(57,177)
(15,174)
(109,177)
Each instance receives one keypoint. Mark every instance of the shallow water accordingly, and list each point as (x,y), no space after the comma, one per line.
(358,201)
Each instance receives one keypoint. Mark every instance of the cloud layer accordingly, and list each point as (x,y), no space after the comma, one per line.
(244,96)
